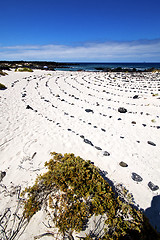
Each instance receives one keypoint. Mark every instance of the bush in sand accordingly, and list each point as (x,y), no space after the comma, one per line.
(73,190)
(3,73)
(23,70)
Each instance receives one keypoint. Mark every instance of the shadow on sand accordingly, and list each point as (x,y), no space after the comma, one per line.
(153,213)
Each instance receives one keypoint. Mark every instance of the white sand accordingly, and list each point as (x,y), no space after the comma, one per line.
(59,100)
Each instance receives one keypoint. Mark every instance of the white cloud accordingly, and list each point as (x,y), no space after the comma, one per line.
(142,50)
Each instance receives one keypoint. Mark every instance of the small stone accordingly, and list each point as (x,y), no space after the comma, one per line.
(122,110)
(88,142)
(98,148)
(106,153)
(34,154)
(119,119)
(144,125)
(29,107)
(133,122)
(103,129)
(151,143)
(89,110)
(123,164)
(136,177)
(81,136)
(152,186)
(135,97)
(2,175)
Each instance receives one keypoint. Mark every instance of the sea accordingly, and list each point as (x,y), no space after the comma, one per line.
(83,66)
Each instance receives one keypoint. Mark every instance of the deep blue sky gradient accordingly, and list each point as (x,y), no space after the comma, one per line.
(74,23)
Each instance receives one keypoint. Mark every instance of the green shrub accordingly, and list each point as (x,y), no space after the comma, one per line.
(2,87)
(23,69)
(74,190)
(3,73)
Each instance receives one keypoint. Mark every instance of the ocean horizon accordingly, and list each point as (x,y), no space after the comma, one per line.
(92,66)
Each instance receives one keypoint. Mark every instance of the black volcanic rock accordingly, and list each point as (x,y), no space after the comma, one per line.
(122,110)
(106,153)
(152,186)
(29,107)
(88,142)
(136,177)
(2,175)
(123,164)
(135,97)
(151,143)
(89,110)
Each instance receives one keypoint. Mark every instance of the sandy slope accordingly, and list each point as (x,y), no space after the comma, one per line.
(77,112)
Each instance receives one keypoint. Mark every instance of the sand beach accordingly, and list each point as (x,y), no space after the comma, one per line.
(112,119)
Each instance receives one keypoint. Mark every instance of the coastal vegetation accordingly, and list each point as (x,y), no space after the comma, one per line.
(7,65)
(155,95)
(23,70)
(3,73)
(73,190)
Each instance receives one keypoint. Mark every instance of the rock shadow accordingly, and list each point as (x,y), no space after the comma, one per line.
(153,213)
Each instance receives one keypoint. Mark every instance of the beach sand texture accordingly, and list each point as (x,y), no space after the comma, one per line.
(107,118)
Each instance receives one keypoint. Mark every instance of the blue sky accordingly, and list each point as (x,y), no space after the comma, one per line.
(84,30)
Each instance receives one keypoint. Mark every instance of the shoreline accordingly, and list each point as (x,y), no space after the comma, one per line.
(102,67)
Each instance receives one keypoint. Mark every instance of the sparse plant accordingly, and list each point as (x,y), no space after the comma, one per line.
(12,220)
(73,190)
(23,69)
(153,120)
(3,73)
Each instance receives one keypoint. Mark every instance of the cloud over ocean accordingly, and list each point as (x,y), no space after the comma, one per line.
(110,51)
